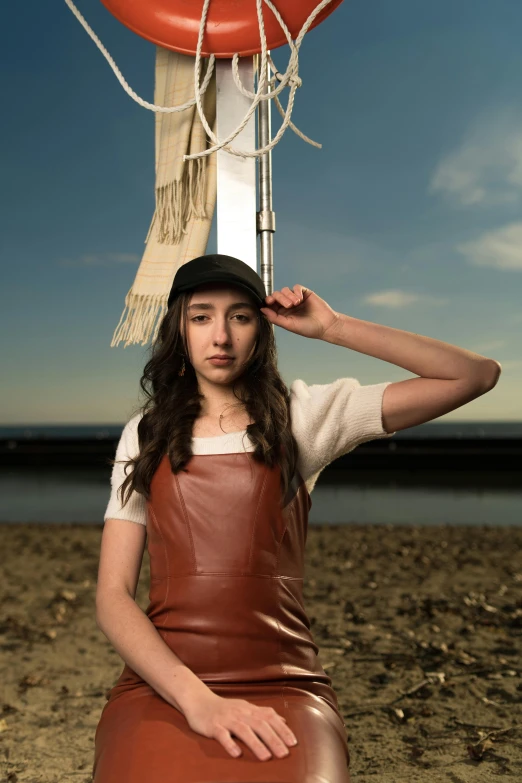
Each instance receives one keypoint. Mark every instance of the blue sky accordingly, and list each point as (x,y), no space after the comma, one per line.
(409,215)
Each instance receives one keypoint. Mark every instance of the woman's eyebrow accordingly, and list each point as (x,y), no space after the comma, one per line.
(210,306)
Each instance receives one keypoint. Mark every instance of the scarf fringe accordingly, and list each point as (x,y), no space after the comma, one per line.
(178,202)
(143,310)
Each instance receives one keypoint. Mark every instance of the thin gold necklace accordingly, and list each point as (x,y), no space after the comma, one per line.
(222,414)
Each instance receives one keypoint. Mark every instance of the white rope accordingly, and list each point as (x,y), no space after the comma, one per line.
(290,76)
(120,77)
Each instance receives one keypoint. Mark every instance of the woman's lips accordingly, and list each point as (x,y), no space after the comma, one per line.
(220,361)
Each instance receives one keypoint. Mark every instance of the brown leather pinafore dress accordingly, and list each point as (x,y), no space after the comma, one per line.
(226,595)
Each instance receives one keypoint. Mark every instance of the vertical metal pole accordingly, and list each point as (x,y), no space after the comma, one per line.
(266,224)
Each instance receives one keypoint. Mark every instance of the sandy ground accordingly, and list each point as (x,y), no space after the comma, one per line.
(419,628)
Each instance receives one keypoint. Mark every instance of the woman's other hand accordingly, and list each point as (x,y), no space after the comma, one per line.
(261,728)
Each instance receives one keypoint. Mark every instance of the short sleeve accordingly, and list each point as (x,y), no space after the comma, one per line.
(135,509)
(332,419)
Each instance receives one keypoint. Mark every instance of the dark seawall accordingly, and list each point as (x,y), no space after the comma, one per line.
(433,460)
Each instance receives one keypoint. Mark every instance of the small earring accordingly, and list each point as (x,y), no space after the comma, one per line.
(182,371)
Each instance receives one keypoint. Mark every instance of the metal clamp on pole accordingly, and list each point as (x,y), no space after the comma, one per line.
(266,221)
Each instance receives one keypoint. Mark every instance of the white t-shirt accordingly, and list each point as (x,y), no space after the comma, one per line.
(328,420)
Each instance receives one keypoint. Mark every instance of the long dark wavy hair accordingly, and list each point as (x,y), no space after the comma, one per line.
(174,402)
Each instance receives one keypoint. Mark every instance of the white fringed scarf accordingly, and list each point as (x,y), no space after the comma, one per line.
(185,197)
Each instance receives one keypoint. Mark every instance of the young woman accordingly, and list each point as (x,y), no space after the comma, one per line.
(214,474)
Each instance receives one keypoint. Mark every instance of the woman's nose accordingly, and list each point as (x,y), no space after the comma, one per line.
(222,331)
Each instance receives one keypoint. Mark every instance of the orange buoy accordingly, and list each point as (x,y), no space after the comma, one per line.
(231,26)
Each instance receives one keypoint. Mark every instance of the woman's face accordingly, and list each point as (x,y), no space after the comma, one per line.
(221,319)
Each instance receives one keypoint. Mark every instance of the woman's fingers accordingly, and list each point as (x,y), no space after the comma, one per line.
(276,734)
(285,297)
(221,734)
(291,295)
(254,731)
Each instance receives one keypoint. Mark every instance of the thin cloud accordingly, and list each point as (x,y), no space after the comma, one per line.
(395,299)
(487,167)
(499,249)
(100,259)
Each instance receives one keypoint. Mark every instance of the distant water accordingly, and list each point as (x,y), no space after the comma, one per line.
(81,495)
(464,429)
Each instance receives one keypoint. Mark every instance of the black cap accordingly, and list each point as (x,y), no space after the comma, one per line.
(217,268)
